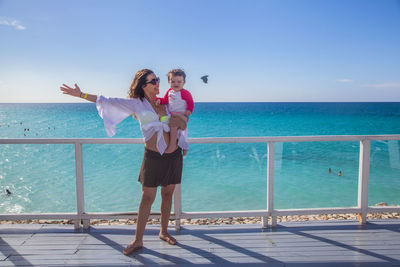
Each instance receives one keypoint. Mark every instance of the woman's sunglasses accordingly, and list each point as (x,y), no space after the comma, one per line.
(154,81)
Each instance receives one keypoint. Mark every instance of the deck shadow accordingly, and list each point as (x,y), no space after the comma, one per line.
(9,251)
(137,254)
(300,231)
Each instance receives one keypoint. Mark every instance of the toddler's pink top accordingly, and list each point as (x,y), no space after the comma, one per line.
(178,102)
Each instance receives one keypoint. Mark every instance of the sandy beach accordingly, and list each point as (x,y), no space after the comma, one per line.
(219,221)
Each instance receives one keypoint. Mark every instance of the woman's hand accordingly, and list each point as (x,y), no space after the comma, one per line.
(71,91)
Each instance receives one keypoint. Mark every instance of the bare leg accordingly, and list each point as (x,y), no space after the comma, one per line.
(166,203)
(172,146)
(148,196)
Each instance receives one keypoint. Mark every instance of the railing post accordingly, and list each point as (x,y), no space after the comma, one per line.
(80,201)
(177,206)
(363,179)
(270,184)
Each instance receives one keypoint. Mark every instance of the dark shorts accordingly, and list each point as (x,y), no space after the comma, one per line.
(161,170)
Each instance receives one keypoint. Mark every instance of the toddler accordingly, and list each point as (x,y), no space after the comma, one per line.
(179,100)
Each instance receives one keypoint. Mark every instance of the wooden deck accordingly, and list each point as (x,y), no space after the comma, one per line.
(328,243)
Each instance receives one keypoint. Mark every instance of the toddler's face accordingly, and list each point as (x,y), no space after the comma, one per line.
(176,83)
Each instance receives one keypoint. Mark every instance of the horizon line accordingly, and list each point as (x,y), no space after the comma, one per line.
(218,102)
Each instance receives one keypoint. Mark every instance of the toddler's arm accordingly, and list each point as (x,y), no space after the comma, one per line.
(164,100)
(187,96)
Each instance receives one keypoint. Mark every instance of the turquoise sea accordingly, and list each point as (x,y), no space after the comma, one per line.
(216,176)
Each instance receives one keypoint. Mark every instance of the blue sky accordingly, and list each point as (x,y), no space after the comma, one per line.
(252,50)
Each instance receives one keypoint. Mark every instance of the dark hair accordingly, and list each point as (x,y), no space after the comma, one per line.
(176,72)
(136,90)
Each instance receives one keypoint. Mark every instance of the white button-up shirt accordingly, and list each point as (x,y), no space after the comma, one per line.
(115,110)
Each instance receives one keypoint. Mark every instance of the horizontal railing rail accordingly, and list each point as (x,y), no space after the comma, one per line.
(203,140)
(83,217)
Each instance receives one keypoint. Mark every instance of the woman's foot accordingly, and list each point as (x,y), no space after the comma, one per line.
(132,247)
(168,238)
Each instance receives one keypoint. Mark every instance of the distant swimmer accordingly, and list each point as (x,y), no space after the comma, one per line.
(329,170)
(339,173)
(8,192)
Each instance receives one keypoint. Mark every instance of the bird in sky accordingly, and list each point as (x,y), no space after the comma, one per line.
(205,78)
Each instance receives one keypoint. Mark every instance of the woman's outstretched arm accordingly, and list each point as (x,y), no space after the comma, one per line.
(77,93)
(111,110)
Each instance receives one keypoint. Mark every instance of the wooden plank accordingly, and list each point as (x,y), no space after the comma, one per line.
(32,251)
(4,254)
(305,242)
(98,263)
(274,251)
(26,261)
(53,241)
(12,241)
(19,228)
(52,247)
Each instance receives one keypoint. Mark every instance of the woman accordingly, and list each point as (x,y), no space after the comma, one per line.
(158,168)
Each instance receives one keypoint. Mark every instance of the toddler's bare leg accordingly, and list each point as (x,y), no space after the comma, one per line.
(172,146)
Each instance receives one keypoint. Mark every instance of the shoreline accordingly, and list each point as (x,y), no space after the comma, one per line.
(219,221)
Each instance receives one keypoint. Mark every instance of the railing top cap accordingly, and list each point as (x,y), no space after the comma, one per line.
(261,139)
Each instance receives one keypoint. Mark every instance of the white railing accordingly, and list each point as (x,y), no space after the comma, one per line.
(82,217)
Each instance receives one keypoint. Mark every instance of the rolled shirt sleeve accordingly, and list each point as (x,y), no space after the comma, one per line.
(187,96)
(115,110)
